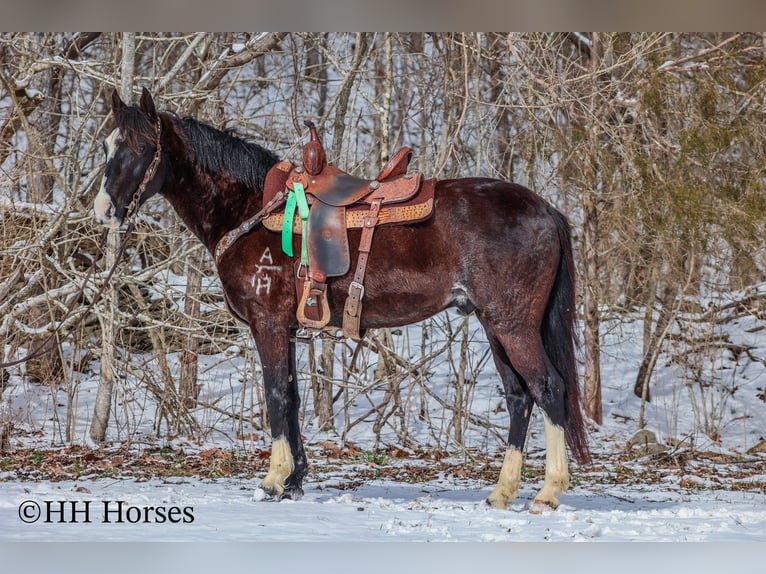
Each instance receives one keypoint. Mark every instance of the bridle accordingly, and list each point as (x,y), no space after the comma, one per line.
(130,216)
(149,174)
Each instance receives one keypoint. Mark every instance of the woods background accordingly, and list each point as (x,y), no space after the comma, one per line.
(652,144)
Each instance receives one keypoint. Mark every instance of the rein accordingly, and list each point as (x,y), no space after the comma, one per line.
(132,211)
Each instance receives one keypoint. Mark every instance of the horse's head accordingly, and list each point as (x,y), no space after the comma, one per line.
(134,168)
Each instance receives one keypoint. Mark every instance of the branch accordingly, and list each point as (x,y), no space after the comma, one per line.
(581,41)
(255,47)
(167,78)
(24,103)
(677,65)
(342,97)
(78,44)
(63,60)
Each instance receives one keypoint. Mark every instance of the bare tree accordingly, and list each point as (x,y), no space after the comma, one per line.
(652,144)
(110,299)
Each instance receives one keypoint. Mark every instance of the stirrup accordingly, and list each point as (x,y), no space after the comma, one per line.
(321,300)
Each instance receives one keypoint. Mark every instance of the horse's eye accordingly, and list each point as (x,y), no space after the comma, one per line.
(141,147)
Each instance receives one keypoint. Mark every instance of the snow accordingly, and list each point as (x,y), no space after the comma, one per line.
(675,505)
(224,510)
(33,93)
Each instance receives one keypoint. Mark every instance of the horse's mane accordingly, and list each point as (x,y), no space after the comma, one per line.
(217,151)
(213,150)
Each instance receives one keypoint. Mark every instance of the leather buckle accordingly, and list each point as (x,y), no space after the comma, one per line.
(358,287)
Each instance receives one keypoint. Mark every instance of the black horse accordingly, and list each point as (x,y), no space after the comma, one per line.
(492,247)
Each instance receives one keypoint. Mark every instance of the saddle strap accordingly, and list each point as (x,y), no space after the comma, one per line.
(352,311)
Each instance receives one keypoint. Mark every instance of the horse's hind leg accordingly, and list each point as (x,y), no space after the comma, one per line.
(520,404)
(529,360)
(556,471)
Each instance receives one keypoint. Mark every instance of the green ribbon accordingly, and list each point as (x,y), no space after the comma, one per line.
(303,211)
(296,198)
(287,225)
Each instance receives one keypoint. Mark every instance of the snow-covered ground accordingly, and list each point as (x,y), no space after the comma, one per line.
(680,505)
(224,510)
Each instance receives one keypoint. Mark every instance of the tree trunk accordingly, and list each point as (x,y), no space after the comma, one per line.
(323,393)
(107,318)
(591,261)
(460,412)
(652,340)
(339,122)
(46,368)
(592,392)
(188,388)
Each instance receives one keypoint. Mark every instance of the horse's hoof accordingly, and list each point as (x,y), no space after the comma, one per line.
(292,493)
(497,503)
(267,491)
(543,506)
(260,494)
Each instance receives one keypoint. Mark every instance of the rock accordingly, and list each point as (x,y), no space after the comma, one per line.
(758,448)
(646,443)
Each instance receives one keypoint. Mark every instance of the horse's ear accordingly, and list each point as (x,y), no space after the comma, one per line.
(147,104)
(117,103)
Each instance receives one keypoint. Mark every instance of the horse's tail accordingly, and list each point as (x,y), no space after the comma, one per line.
(558,333)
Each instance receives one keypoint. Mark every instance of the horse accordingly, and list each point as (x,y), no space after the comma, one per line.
(492,248)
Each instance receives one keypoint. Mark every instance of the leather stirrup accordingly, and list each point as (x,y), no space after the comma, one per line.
(320,301)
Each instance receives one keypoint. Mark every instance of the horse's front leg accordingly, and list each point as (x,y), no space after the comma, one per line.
(288,464)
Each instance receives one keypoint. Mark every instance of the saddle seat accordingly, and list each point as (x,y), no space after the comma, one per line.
(340,189)
(338,201)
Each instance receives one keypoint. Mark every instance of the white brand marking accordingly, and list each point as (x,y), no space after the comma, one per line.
(263,283)
(262,278)
(266,257)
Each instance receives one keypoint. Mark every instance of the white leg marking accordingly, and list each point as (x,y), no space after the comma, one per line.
(508,484)
(556,469)
(280,467)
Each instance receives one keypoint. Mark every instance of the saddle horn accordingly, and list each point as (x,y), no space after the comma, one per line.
(314,158)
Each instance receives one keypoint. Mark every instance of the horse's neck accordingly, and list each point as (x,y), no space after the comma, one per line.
(211,204)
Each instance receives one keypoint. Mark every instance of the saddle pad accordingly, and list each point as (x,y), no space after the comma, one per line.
(419,208)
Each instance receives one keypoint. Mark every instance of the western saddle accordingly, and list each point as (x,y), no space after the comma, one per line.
(328,202)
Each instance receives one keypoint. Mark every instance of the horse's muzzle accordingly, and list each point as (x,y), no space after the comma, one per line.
(104,211)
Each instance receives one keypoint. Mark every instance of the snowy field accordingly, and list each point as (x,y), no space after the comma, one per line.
(713,495)
(224,510)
